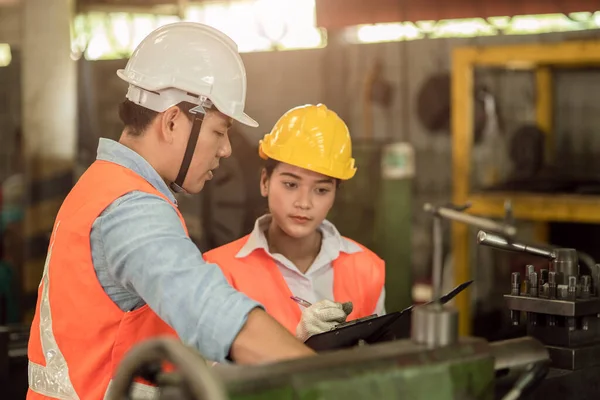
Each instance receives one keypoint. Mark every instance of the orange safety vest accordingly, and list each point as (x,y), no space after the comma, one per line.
(357,277)
(79,335)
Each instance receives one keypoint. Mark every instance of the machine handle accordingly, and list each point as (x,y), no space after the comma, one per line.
(499,242)
(504,229)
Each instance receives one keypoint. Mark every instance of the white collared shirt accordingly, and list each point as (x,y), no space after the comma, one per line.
(317,283)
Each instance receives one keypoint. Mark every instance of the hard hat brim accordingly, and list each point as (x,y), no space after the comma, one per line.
(246,120)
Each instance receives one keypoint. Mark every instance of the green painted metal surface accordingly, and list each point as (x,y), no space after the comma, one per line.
(286,393)
(445,381)
(375,210)
(465,371)
(393,227)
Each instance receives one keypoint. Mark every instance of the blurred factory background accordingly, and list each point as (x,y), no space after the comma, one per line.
(439,103)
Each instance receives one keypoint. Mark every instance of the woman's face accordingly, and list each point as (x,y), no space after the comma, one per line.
(299,199)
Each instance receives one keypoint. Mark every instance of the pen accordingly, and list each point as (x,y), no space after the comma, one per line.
(300,301)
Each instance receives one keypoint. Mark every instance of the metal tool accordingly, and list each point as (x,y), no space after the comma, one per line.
(564,261)
(501,243)
(552,284)
(455,213)
(515,283)
(565,314)
(533,284)
(586,284)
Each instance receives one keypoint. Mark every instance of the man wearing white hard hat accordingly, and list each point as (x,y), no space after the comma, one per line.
(121,267)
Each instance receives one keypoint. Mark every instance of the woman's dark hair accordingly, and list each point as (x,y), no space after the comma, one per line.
(137,118)
(270,165)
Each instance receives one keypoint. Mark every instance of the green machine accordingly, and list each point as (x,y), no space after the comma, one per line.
(469,369)
(433,363)
(375,208)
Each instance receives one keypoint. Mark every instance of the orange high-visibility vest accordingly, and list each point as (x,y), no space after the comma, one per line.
(79,335)
(357,277)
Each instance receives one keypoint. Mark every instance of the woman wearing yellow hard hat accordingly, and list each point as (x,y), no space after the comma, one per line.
(293,251)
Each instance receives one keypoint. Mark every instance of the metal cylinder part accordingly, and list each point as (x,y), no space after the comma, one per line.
(533,284)
(533,279)
(552,278)
(529,269)
(551,284)
(515,283)
(434,325)
(562,292)
(572,287)
(586,285)
(565,264)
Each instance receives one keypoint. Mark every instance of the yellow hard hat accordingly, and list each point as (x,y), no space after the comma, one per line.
(311,137)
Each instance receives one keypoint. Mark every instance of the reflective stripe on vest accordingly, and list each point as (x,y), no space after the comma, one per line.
(41,382)
(53,379)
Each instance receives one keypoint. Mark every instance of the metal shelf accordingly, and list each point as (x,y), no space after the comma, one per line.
(538,207)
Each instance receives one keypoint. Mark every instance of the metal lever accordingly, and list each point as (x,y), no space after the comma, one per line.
(436,324)
(456,213)
(503,229)
(501,243)
(564,262)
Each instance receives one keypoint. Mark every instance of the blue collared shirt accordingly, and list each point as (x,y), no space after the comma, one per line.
(141,255)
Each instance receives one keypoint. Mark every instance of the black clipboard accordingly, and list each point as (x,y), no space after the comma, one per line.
(372,329)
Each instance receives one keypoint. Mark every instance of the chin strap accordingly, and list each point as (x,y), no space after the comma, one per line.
(177,185)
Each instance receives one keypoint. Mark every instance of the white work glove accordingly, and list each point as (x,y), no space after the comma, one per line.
(322,317)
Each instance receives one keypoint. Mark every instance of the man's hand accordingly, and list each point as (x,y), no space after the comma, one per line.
(322,317)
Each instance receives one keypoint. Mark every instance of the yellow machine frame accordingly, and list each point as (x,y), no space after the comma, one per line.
(540,208)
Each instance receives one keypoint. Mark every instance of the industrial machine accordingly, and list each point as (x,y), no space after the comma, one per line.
(470,368)
(559,306)
(433,364)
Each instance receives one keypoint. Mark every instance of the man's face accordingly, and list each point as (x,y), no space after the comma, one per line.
(299,199)
(213,144)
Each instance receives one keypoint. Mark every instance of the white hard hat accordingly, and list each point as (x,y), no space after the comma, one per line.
(188,61)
